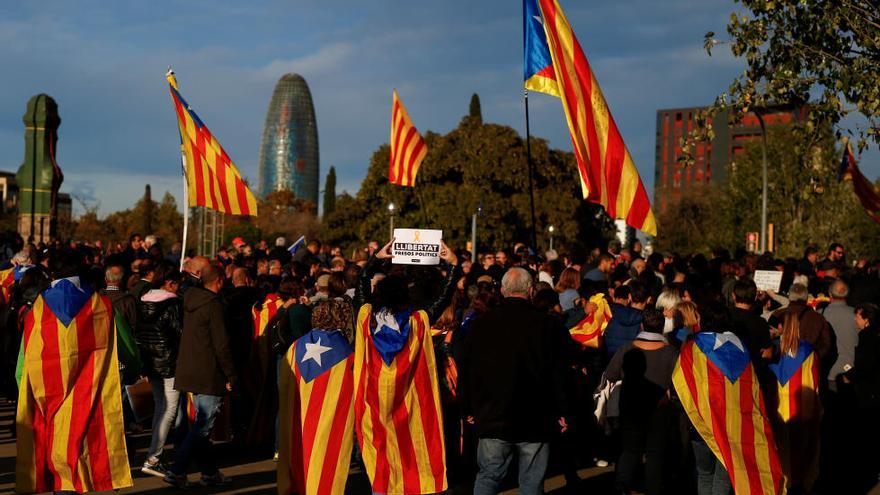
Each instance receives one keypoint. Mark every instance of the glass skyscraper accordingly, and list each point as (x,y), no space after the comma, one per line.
(289,151)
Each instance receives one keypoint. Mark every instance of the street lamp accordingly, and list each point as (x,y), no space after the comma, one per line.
(551,229)
(391,220)
(763,237)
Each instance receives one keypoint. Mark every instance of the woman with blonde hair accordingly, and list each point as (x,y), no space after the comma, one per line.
(567,287)
(686,320)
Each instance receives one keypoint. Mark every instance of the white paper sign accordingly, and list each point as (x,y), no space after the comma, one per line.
(768,280)
(416,247)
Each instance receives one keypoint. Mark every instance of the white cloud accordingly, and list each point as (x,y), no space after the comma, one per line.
(328,57)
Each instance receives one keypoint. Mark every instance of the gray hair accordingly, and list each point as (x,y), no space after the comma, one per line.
(798,292)
(517,281)
(150,239)
(22,257)
(839,289)
(113,274)
(280,242)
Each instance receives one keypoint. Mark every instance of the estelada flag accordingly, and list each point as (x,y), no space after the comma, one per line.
(798,415)
(717,386)
(213,181)
(864,189)
(69,419)
(554,63)
(408,149)
(589,331)
(398,419)
(259,377)
(316,430)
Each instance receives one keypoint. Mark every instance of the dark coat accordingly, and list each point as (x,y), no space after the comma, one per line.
(866,368)
(124,303)
(512,376)
(158,335)
(204,363)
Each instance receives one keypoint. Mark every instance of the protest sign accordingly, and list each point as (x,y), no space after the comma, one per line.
(768,280)
(416,247)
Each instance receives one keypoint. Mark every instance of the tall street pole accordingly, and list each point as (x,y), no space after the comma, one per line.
(474,238)
(763,236)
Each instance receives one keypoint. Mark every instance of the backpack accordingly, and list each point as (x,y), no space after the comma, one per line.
(278,330)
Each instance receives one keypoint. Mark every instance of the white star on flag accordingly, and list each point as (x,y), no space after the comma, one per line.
(722,338)
(314,351)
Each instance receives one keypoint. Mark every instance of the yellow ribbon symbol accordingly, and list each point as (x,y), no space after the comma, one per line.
(416,235)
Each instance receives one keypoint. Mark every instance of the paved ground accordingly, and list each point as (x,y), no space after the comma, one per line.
(257,476)
(249,475)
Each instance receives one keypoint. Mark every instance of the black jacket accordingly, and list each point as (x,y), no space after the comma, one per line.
(866,368)
(159,326)
(512,374)
(204,363)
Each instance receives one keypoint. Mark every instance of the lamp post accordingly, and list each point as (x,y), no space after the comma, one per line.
(763,237)
(551,229)
(391,220)
(474,232)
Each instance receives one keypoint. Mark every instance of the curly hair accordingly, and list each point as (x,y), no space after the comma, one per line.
(334,314)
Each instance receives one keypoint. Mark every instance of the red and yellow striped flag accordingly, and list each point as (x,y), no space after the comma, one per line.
(264,314)
(7,280)
(316,413)
(607,172)
(718,389)
(398,419)
(798,416)
(589,331)
(408,149)
(69,420)
(213,180)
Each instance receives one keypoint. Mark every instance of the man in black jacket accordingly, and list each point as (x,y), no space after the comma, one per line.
(206,369)
(512,387)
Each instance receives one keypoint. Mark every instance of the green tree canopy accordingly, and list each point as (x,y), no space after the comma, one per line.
(806,203)
(825,53)
(473,165)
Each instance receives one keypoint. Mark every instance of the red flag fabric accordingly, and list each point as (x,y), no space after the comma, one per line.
(398,418)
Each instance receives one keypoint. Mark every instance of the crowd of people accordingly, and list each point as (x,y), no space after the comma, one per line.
(514,385)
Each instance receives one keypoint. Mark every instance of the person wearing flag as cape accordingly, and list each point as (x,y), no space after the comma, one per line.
(398,418)
(70,434)
(718,388)
(795,408)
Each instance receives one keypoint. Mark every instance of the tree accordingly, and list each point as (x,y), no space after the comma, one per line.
(330,192)
(469,167)
(148,205)
(475,111)
(806,203)
(797,49)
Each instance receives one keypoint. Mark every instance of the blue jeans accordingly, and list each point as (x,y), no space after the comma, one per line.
(198,439)
(712,478)
(494,457)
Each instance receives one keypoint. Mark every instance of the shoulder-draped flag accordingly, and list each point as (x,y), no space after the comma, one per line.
(864,189)
(398,419)
(797,420)
(408,149)
(717,386)
(264,313)
(213,180)
(316,433)
(589,331)
(69,421)
(555,64)
(7,279)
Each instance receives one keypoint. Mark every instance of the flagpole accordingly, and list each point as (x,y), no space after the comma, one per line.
(185,209)
(531,172)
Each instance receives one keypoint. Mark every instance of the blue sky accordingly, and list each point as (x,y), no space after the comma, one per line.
(104,62)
